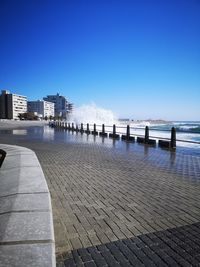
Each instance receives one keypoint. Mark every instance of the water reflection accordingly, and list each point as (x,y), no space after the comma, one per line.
(172,157)
(47,133)
(146,150)
(127,146)
(19,132)
(168,159)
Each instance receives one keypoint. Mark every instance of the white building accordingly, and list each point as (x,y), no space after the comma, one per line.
(43,108)
(11,105)
(62,106)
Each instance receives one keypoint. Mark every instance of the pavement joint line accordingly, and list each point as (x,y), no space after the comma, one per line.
(26,242)
(28,193)
(24,211)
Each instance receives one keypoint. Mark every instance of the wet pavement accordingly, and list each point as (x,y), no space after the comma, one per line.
(117,203)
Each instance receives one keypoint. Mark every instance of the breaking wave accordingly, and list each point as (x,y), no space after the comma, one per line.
(93,114)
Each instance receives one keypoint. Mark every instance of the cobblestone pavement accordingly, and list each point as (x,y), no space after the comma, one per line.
(118,204)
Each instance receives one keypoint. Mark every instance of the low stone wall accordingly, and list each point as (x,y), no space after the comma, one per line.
(26,224)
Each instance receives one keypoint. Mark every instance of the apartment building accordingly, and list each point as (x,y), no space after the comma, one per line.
(62,105)
(43,108)
(11,105)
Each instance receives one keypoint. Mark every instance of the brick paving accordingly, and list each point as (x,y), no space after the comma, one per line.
(118,204)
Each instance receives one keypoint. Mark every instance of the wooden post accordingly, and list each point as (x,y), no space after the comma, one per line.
(81,127)
(114,129)
(103,129)
(128,131)
(103,133)
(146,138)
(173,137)
(114,135)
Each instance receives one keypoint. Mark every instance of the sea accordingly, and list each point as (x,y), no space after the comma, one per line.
(187,132)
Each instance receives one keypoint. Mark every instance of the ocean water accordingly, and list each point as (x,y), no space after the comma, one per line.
(187,131)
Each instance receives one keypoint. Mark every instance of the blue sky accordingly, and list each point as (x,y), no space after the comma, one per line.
(139,58)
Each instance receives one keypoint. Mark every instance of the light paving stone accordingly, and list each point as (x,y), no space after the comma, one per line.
(27,255)
(25,226)
(20,160)
(22,180)
(25,202)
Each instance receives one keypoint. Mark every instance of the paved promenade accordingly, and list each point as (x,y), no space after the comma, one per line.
(119,204)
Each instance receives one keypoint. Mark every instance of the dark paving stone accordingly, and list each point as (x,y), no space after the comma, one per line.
(126,253)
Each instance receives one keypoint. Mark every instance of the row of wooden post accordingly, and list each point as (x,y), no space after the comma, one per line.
(145,140)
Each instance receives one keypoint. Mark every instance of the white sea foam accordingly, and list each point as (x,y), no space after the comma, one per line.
(188,127)
(92,114)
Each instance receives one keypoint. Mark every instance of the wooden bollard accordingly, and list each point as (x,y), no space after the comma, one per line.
(114,129)
(77,128)
(73,126)
(128,131)
(145,139)
(95,131)
(127,137)
(169,144)
(103,133)
(81,130)
(113,134)
(173,137)
(88,129)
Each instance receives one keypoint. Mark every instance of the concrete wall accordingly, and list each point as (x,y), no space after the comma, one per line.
(26,225)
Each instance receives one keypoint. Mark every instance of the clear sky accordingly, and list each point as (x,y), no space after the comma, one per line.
(139,58)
